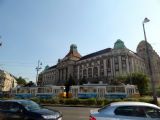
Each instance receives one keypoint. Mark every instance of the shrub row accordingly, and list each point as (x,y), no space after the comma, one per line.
(88,102)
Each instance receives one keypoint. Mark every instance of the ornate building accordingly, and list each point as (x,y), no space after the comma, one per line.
(7,81)
(104,65)
(58,74)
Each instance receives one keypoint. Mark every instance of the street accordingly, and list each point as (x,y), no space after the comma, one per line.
(73,113)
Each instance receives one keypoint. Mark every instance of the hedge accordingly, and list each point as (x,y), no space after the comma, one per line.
(88,102)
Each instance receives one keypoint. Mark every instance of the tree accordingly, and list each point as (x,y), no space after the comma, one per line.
(121,79)
(21,81)
(69,83)
(71,80)
(83,81)
(30,84)
(139,79)
(67,88)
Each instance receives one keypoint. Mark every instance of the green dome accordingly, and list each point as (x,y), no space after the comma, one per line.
(119,44)
(73,47)
(46,67)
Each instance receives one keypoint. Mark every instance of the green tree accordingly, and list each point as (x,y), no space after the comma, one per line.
(21,81)
(69,83)
(121,79)
(30,84)
(83,81)
(71,80)
(139,79)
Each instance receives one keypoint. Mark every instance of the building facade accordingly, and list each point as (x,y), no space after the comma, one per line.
(104,65)
(58,74)
(7,81)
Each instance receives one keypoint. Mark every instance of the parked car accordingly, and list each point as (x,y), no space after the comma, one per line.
(26,110)
(126,111)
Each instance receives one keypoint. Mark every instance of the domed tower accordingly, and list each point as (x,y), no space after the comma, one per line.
(73,53)
(141,49)
(154,60)
(119,44)
(66,66)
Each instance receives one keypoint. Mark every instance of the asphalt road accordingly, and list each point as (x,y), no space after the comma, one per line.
(73,113)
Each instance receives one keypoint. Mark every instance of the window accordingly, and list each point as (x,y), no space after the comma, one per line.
(84,73)
(1,105)
(95,71)
(116,60)
(152,112)
(116,67)
(123,58)
(89,72)
(103,108)
(8,106)
(102,72)
(108,63)
(123,65)
(133,111)
(14,107)
(30,105)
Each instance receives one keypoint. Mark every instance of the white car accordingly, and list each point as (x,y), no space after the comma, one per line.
(126,111)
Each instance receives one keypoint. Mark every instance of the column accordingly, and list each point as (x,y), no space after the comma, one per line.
(62,74)
(78,72)
(86,72)
(66,73)
(59,74)
(112,67)
(132,66)
(105,67)
(120,64)
(98,67)
(127,63)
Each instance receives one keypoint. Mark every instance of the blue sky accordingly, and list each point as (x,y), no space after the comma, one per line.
(33,30)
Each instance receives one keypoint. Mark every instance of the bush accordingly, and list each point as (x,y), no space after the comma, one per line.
(106,102)
(44,101)
(37,100)
(130,99)
(88,101)
(100,102)
(61,101)
(55,101)
(147,100)
(71,101)
(51,101)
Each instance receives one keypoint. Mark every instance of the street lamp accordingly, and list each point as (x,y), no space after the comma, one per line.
(38,68)
(0,42)
(149,63)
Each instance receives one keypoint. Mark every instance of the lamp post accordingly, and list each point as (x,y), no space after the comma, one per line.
(0,42)
(37,69)
(149,63)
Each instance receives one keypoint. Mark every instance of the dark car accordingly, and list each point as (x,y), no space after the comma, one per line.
(26,110)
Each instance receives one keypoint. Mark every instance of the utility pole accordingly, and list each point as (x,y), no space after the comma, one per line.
(0,42)
(37,69)
(149,64)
